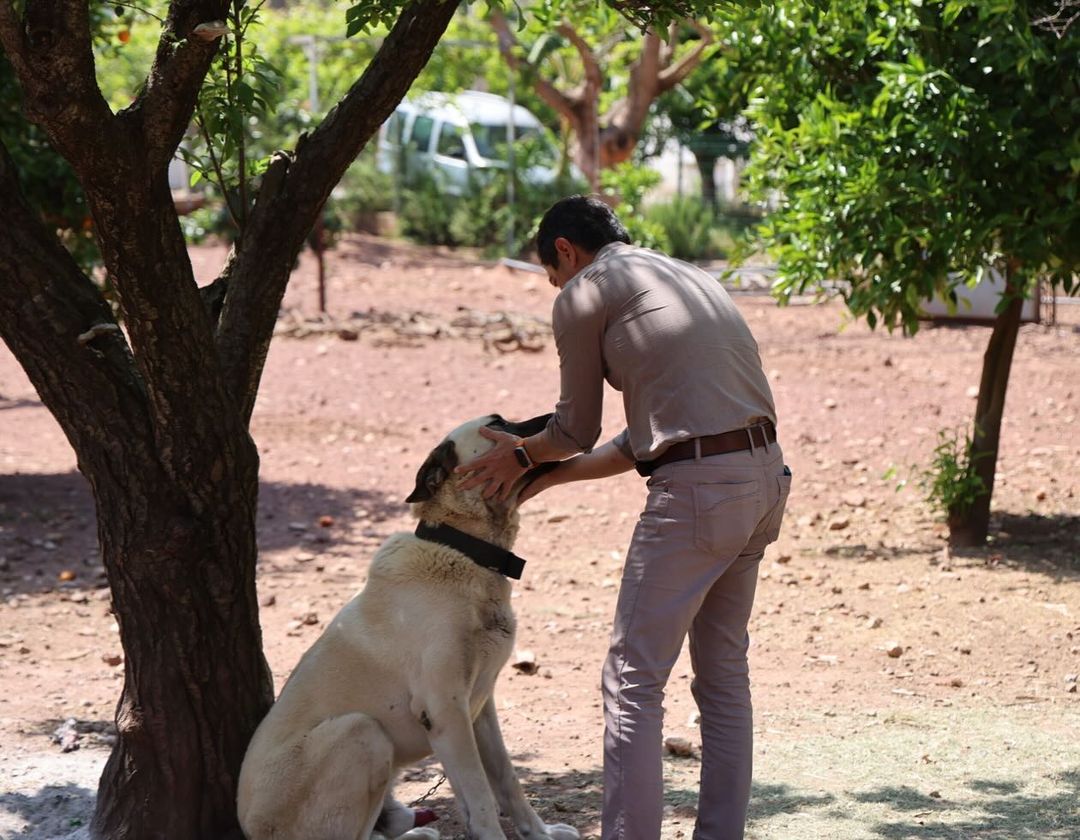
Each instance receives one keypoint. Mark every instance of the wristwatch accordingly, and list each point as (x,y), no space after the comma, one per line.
(522,455)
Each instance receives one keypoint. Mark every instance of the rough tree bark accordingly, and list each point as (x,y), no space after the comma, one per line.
(604,141)
(969,527)
(157,412)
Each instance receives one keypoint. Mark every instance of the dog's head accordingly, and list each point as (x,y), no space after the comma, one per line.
(438,486)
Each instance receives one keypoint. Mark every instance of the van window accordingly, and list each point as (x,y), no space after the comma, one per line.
(421,133)
(491,139)
(452,141)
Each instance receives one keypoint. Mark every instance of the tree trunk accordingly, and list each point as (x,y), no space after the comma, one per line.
(196,682)
(587,157)
(706,165)
(968,528)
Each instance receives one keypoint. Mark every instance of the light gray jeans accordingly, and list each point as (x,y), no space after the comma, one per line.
(692,567)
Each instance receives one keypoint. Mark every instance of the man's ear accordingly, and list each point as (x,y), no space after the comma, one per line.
(565,249)
(434,471)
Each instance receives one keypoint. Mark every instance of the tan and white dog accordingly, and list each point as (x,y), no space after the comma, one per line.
(406,669)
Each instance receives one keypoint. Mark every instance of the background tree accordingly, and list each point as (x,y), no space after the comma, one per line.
(158,411)
(705,112)
(908,146)
(605,113)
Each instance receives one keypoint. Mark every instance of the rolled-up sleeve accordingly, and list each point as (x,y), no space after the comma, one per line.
(578,321)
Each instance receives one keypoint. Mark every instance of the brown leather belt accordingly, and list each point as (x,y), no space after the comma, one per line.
(734,441)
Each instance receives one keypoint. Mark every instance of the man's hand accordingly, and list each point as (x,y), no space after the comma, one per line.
(498,467)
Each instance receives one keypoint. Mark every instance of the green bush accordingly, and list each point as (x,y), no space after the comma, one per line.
(627,185)
(362,192)
(688,225)
(950,483)
(425,212)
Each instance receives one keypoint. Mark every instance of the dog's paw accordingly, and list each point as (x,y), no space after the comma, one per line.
(559,831)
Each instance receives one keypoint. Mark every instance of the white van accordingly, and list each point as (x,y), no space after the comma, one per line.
(458,138)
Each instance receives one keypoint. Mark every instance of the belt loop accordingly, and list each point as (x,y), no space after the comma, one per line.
(764,436)
(750,434)
(697,449)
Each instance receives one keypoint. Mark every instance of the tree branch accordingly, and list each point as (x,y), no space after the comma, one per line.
(645,72)
(294,191)
(671,76)
(142,245)
(162,111)
(55,65)
(63,333)
(563,104)
(594,77)
(12,38)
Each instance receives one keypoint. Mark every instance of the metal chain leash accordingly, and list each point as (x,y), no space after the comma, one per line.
(431,791)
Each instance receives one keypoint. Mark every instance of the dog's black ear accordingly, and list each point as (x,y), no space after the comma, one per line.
(523,428)
(434,471)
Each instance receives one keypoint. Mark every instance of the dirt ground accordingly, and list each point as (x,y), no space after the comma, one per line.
(970,728)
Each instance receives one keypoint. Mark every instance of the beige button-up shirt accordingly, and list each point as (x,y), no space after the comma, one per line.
(667,335)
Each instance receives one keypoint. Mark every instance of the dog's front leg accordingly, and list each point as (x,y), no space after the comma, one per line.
(451,736)
(504,781)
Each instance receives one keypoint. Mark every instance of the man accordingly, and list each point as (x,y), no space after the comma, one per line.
(701,425)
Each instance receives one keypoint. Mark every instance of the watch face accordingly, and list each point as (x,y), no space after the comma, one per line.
(522,456)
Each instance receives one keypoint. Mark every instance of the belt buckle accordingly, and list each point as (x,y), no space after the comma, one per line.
(763,428)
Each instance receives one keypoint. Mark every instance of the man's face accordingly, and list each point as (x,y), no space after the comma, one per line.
(557,275)
(569,260)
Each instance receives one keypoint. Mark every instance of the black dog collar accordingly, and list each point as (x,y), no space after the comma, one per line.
(479,551)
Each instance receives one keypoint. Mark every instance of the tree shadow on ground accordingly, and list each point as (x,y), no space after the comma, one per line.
(576,797)
(996,809)
(54,810)
(293,515)
(767,801)
(1047,544)
(991,809)
(1044,544)
(8,403)
(572,797)
(48,527)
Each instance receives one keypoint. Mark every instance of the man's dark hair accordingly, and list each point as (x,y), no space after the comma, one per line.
(586,221)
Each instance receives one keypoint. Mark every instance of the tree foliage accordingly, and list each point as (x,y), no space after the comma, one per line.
(904,146)
(911,143)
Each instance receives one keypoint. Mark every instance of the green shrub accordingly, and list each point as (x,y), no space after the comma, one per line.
(627,184)
(689,226)
(950,483)
(362,192)
(425,212)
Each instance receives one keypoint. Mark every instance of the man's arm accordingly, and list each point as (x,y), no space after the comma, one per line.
(604,461)
(578,321)
(500,469)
